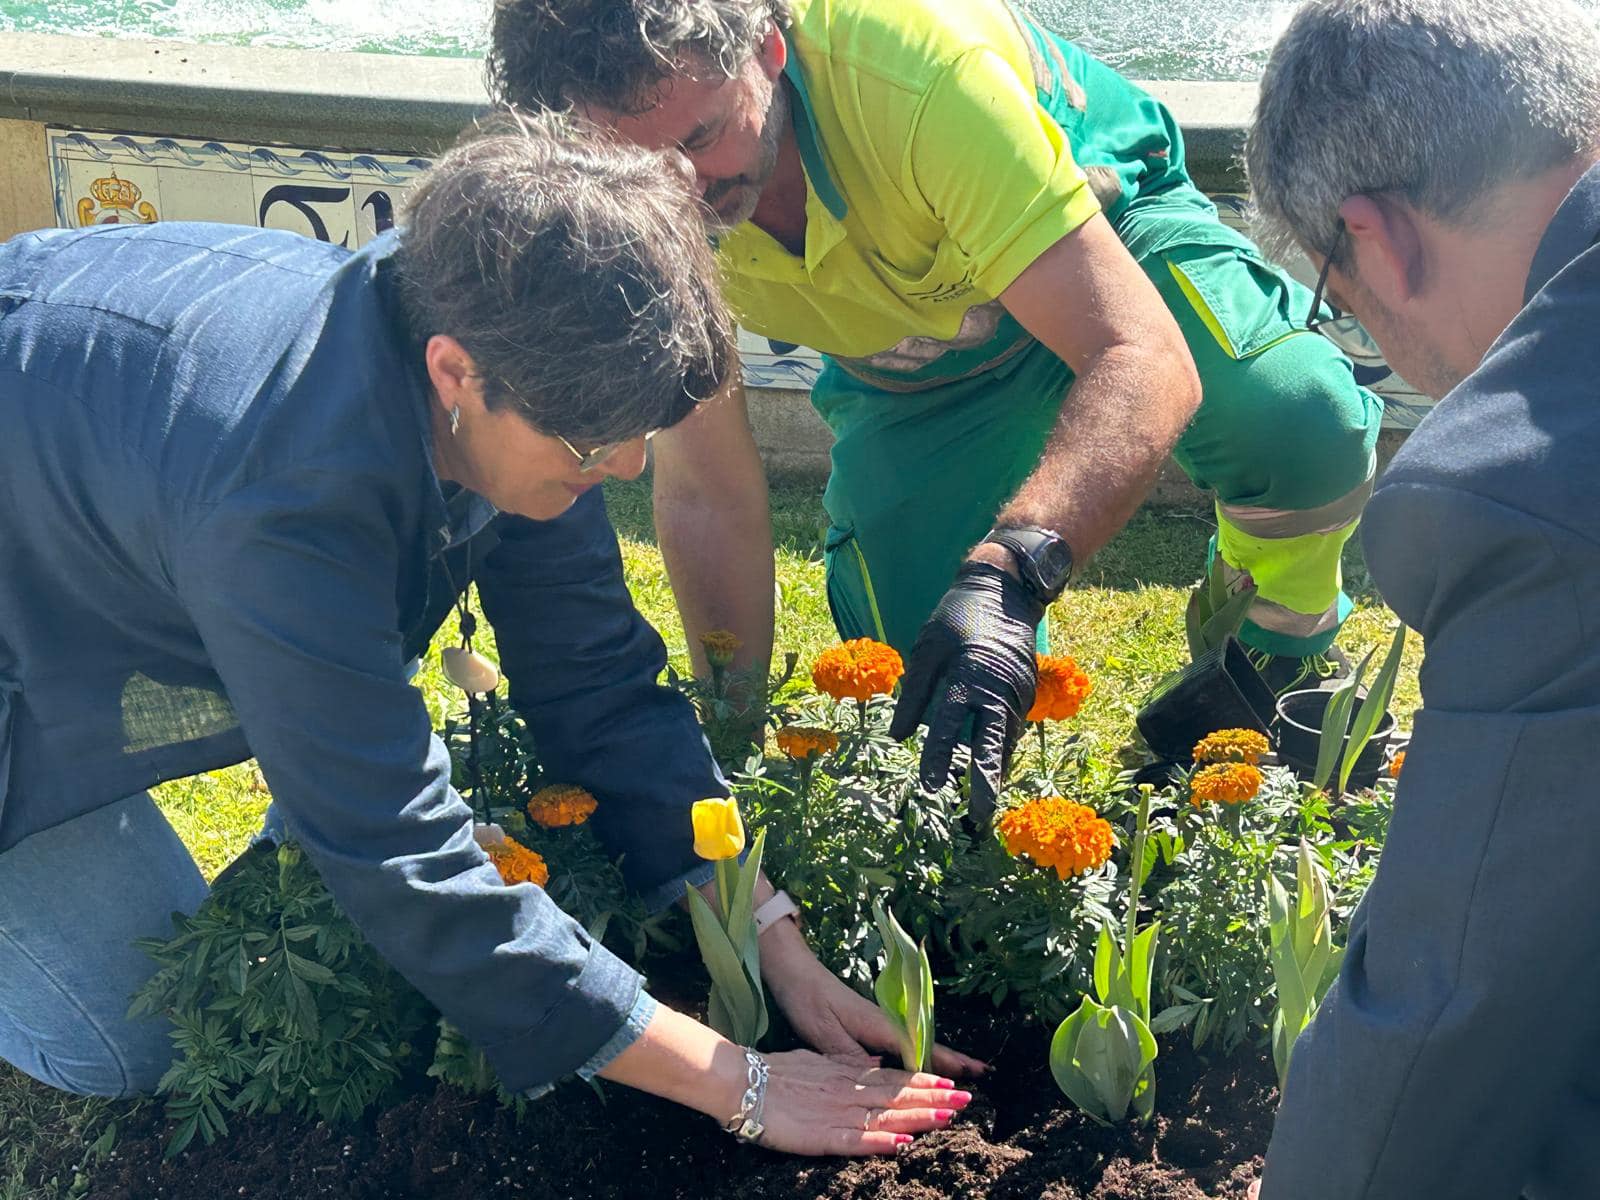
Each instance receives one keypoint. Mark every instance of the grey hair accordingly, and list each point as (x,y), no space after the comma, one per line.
(576,273)
(616,54)
(1434,101)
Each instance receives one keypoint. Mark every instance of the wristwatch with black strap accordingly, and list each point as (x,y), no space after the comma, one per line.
(1043,558)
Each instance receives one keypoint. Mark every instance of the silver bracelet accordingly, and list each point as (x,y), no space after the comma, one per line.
(746,1125)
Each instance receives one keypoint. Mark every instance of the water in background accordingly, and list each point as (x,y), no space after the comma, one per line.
(1146,39)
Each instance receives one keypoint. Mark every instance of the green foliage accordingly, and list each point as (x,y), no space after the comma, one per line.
(730,948)
(1213,614)
(1342,742)
(854,825)
(1103,1056)
(905,991)
(1305,961)
(277,1003)
(1373,708)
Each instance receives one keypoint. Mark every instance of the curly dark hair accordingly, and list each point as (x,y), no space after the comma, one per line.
(615,54)
(576,273)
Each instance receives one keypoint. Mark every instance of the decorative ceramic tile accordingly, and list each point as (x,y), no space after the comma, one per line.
(326,194)
(347,198)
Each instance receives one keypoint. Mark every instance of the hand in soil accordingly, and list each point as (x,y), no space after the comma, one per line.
(822,1105)
(831,1016)
(1255,1191)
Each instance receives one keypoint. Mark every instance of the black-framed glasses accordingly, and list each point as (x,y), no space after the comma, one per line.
(588,460)
(1314,321)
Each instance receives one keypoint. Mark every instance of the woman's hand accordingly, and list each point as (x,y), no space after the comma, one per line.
(830,1015)
(814,1104)
(821,1105)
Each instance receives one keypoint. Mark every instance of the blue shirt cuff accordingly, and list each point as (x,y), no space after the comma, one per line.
(661,898)
(644,1010)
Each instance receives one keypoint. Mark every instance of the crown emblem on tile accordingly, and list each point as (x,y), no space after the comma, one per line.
(115,193)
(113,201)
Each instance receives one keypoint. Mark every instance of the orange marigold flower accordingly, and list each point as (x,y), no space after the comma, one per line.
(517,864)
(1058,833)
(1232,745)
(561,804)
(1063,687)
(720,647)
(1224,783)
(805,741)
(1395,763)
(858,670)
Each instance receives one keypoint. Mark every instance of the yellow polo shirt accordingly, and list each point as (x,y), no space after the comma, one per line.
(933,178)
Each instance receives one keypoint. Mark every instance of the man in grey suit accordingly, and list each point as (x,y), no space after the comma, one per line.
(1437,158)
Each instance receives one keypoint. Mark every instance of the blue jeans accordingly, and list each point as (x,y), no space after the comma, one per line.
(72,900)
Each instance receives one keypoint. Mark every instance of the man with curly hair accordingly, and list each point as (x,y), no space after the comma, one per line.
(993,240)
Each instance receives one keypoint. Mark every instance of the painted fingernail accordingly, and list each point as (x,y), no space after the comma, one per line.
(961,1099)
(945,1083)
(943,1114)
(902,1139)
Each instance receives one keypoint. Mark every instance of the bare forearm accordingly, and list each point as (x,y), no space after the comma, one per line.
(679,1059)
(1117,426)
(714,526)
(719,562)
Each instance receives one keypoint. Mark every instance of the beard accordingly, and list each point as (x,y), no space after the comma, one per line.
(731,202)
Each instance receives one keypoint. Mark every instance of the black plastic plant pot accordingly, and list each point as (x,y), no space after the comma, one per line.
(1219,690)
(1300,734)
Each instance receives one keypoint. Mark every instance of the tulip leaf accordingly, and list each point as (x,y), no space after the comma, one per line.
(904,990)
(1335,724)
(729,978)
(1374,706)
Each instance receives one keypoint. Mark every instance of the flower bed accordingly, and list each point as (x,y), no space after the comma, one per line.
(1019,921)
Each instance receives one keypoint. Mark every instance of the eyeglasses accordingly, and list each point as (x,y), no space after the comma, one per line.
(1314,321)
(588,460)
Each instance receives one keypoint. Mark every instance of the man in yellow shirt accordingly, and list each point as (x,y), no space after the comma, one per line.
(992,239)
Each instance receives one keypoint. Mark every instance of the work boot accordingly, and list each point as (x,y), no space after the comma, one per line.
(1286,673)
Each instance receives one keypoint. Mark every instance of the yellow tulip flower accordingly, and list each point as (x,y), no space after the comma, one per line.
(718,831)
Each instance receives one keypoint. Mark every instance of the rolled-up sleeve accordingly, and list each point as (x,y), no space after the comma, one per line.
(1464,1013)
(583,666)
(291,584)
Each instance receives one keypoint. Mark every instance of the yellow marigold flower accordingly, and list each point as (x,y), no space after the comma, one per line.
(517,864)
(718,831)
(561,804)
(805,741)
(1395,763)
(1058,833)
(1063,687)
(1224,783)
(1232,745)
(858,670)
(720,647)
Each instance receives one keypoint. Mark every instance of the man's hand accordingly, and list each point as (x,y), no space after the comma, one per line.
(974,661)
(829,1015)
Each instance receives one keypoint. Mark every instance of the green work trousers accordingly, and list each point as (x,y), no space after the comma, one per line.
(1284,441)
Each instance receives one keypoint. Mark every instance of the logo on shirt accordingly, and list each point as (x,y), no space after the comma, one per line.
(115,201)
(945,292)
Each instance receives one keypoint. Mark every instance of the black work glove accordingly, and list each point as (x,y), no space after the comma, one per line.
(974,659)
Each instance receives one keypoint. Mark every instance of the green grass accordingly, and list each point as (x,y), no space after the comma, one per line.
(1123,622)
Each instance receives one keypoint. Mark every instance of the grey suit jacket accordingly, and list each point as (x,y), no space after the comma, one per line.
(1458,1055)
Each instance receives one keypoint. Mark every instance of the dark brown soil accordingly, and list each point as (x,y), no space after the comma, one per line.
(1019,1140)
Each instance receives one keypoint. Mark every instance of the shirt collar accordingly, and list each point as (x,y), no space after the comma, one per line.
(809,143)
(1573,229)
